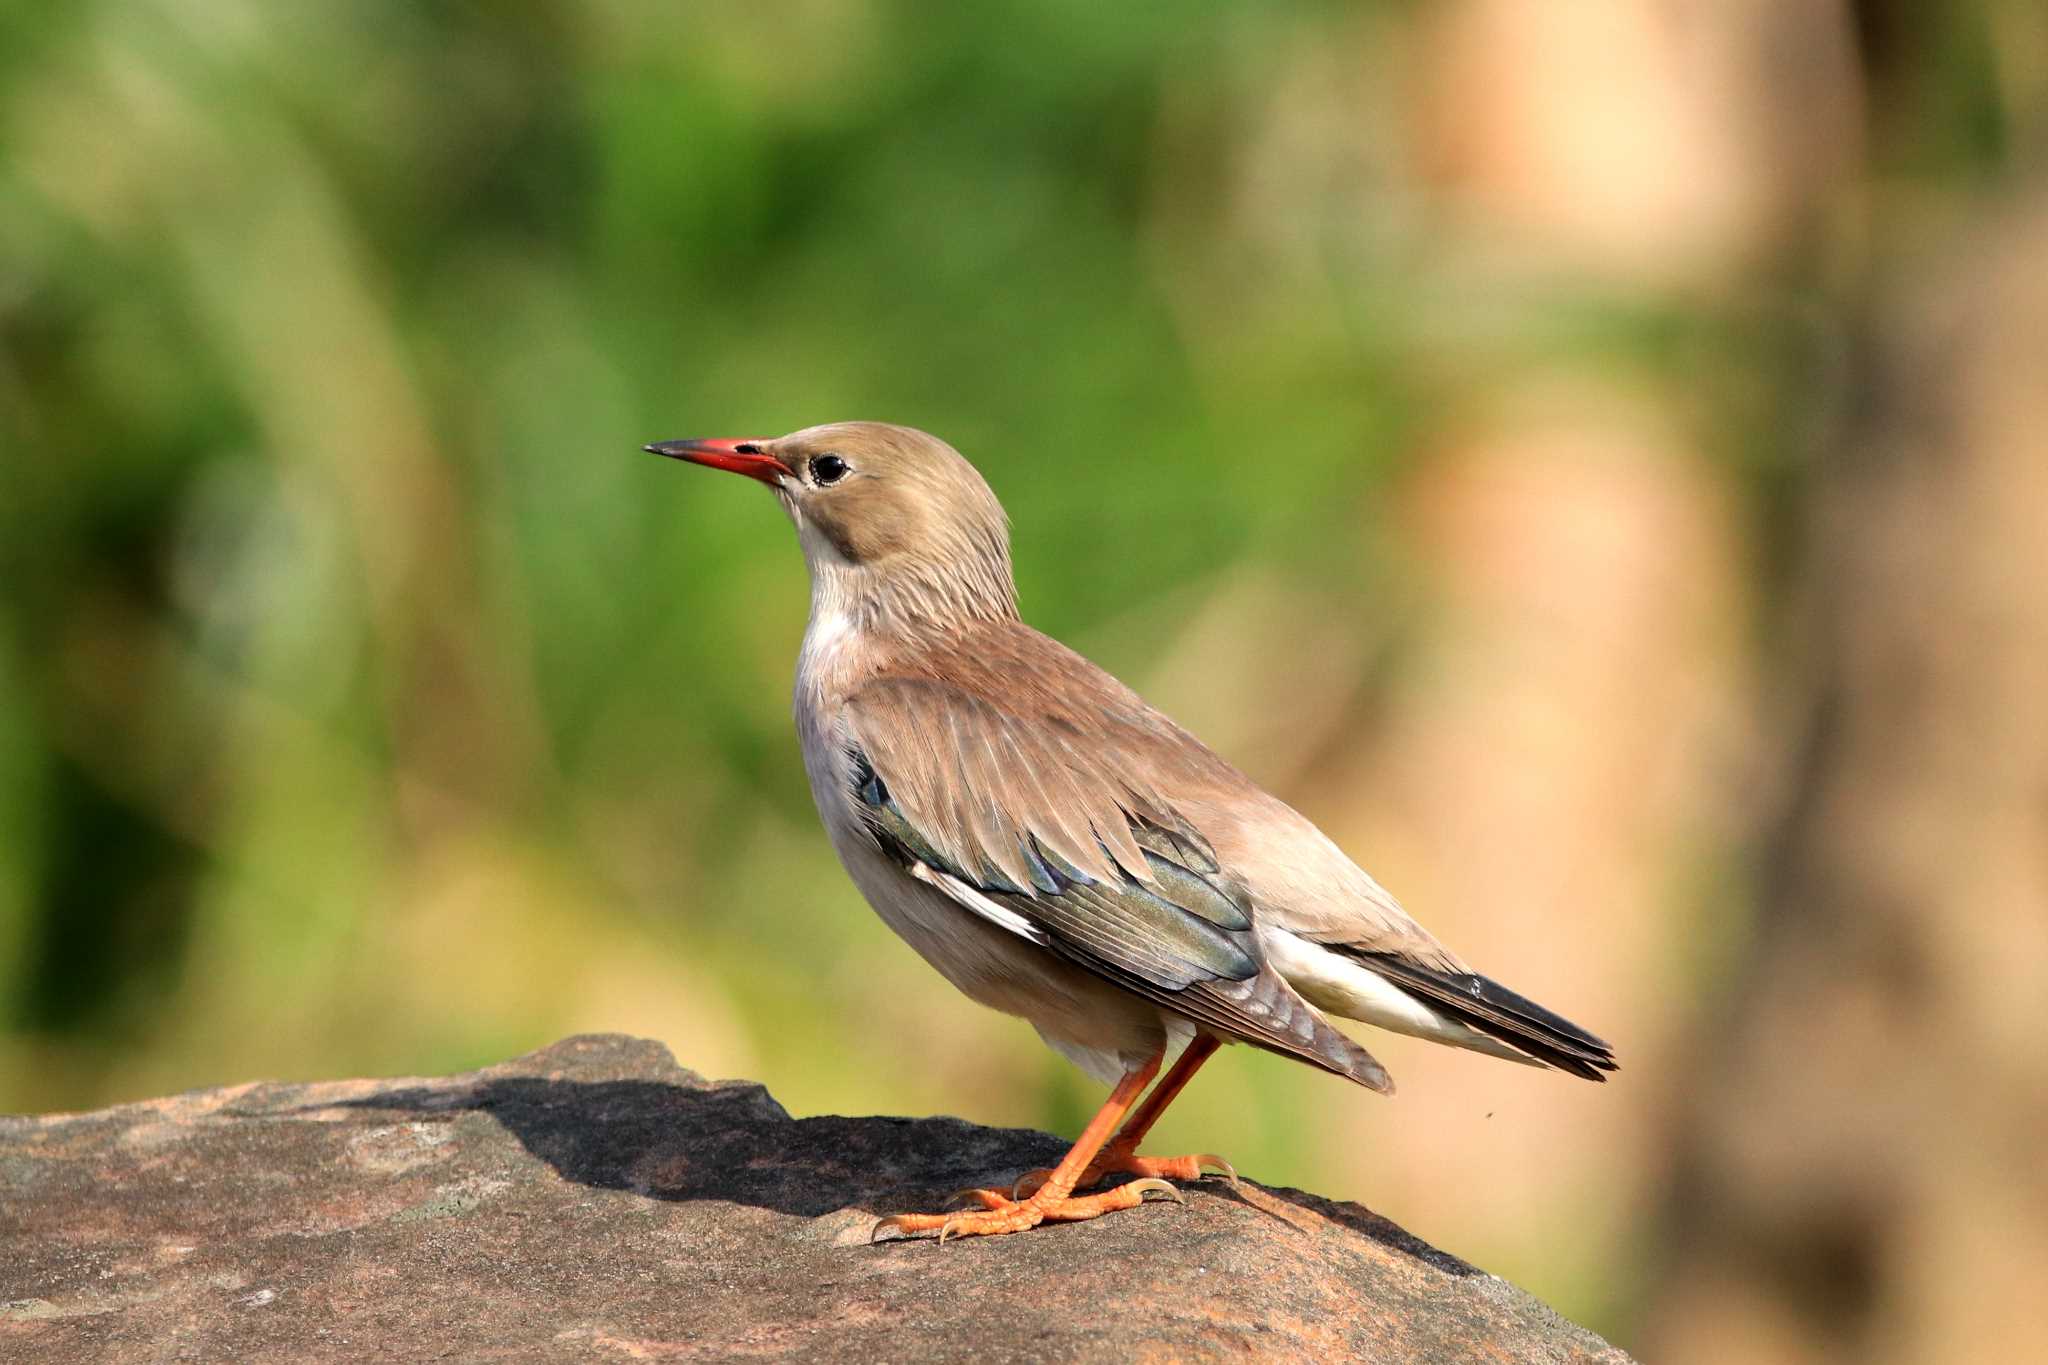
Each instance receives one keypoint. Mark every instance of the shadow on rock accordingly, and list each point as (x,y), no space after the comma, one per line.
(732,1142)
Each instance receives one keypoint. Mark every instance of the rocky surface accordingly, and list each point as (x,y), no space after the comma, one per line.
(594,1201)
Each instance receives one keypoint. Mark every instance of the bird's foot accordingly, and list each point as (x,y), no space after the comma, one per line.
(1119,1161)
(999,1213)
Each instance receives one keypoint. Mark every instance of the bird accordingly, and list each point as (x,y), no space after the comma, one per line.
(1062,851)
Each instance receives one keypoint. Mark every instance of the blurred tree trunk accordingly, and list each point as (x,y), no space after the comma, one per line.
(1863,1172)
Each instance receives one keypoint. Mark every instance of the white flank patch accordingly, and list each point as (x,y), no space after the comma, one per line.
(979,904)
(1334,982)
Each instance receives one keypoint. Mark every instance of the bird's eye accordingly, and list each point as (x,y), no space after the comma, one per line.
(828,469)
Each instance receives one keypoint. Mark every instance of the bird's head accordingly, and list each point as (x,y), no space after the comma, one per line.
(895,523)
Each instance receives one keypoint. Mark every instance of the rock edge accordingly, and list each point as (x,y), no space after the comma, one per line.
(594,1200)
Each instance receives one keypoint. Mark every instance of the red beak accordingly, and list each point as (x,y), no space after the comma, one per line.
(748,456)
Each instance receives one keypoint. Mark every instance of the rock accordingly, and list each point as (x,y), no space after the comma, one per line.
(595,1201)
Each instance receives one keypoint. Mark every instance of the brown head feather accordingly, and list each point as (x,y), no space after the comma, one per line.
(902,528)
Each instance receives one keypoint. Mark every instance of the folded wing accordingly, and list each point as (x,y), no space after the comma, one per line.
(1048,824)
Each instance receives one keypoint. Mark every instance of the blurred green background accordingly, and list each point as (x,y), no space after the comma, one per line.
(1588,457)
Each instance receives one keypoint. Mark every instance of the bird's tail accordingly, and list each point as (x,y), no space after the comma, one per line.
(1485,1006)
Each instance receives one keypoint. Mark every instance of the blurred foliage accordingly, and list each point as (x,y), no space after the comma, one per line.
(369,703)
(330,339)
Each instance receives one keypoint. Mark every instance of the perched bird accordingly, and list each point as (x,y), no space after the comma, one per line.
(1060,850)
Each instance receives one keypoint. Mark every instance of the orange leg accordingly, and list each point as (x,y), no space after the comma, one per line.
(1120,1154)
(1053,1199)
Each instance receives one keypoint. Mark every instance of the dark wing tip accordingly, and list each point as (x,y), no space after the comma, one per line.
(1556,1025)
(1483,1004)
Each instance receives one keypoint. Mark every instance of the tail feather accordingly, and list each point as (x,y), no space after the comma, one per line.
(1485,1005)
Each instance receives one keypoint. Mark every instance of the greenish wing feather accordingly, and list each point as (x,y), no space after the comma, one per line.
(1182,930)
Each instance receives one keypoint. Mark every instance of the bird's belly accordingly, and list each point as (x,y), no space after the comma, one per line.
(996,968)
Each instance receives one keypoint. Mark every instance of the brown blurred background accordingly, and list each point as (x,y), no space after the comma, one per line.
(1589,456)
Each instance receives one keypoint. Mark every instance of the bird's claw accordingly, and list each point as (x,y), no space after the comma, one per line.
(998,1215)
(894,1229)
(1198,1167)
